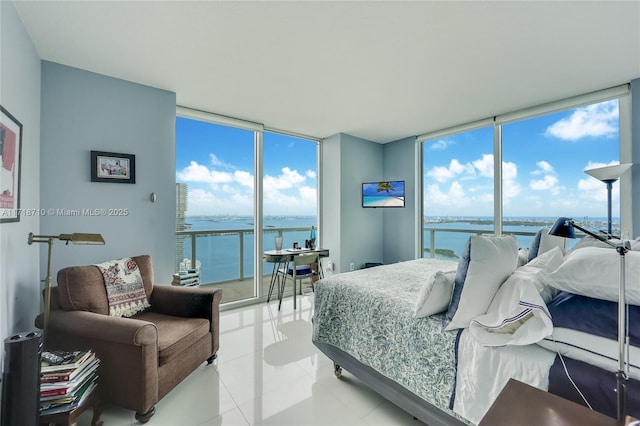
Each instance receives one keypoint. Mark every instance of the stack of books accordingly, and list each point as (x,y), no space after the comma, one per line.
(190,277)
(66,380)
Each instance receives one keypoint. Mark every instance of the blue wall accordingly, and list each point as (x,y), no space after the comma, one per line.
(351,233)
(20,298)
(402,226)
(357,235)
(83,111)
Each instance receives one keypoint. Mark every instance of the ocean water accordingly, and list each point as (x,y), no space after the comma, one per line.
(219,255)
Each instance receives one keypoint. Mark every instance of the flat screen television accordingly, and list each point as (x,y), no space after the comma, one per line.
(383,194)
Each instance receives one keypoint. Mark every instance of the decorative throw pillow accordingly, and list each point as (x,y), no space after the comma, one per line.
(594,272)
(487,261)
(544,242)
(125,290)
(435,294)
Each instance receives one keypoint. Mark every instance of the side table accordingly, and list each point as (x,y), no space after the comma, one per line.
(524,405)
(70,418)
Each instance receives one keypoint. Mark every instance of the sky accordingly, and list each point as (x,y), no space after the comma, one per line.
(544,159)
(543,165)
(216,162)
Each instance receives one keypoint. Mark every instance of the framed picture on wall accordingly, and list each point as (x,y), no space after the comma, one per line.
(10,166)
(113,167)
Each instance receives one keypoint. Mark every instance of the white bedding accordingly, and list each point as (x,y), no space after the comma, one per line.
(592,349)
(484,371)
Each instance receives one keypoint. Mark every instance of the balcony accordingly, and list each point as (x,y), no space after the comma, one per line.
(220,251)
(226,257)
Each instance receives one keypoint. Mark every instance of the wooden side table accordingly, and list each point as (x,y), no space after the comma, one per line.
(70,418)
(524,405)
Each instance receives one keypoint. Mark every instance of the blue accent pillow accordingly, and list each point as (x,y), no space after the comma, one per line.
(461,275)
(535,245)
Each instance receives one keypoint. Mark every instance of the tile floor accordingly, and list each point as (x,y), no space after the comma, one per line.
(267,373)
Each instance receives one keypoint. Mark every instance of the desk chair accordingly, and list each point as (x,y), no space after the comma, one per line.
(298,269)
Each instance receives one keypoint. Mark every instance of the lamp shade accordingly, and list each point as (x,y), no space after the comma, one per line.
(79,238)
(608,173)
(563,228)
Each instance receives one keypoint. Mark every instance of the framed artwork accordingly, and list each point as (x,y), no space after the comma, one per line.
(10,166)
(113,167)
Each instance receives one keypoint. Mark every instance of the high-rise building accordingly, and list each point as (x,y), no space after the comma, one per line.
(181,208)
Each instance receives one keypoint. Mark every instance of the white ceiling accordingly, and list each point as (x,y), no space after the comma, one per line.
(377,70)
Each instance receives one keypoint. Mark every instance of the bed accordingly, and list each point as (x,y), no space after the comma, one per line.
(447,367)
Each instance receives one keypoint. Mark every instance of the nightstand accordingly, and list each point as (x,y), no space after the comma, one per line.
(524,405)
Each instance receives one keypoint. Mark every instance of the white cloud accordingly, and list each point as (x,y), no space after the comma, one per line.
(593,120)
(484,165)
(243,178)
(548,182)
(215,161)
(543,168)
(442,174)
(195,172)
(453,198)
(216,192)
(440,144)
(288,179)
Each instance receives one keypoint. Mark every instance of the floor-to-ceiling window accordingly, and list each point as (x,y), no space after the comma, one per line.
(550,153)
(457,190)
(543,153)
(233,180)
(290,190)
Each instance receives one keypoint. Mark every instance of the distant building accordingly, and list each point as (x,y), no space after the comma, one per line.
(181,208)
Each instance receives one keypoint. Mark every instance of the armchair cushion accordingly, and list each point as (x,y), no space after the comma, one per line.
(175,334)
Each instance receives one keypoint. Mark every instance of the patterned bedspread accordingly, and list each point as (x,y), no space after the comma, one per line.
(369,314)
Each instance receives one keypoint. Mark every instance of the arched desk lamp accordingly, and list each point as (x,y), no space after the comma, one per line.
(75,239)
(564,227)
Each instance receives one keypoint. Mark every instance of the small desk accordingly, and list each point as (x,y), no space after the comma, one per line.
(281,259)
(524,405)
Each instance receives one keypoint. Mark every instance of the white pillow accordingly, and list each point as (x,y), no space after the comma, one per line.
(523,256)
(487,261)
(435,294)
(594,272)
(540,267)
(518,314)
(544,242)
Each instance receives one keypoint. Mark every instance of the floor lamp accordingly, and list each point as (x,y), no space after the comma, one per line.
(564,227)
(608,175)
(75,239)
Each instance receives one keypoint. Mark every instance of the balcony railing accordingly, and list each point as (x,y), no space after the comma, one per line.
(223,250)
(233,248)
(431,239)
